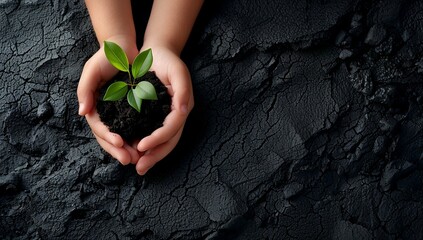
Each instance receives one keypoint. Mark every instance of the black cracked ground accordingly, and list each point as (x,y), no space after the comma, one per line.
(308,125)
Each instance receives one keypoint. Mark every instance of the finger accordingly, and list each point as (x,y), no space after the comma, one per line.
(120,154)
(173,123)
(181,87)
(101,131)
(132,152)
(151,157)
(96,71)
(87,87)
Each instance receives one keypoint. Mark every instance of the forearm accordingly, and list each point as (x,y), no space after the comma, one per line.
(112,20)
(170,23)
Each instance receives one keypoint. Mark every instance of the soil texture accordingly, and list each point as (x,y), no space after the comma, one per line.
(124,120)
(308,124)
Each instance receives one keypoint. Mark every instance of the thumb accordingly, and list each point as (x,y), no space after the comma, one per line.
(181,89)
(87,87)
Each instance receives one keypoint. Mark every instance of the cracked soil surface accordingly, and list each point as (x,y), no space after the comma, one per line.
(308,124)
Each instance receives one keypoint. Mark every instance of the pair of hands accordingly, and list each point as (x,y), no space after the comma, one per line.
(172,72)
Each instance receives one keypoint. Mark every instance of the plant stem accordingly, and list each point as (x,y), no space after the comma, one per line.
(130,79)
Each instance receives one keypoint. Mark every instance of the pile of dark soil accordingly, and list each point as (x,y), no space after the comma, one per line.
(124,120)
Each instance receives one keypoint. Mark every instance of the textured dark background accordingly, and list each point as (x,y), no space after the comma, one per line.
(307,125)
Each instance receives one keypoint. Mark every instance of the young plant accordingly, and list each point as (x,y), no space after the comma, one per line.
(135,92)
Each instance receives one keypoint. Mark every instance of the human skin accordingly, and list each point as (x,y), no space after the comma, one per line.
(167,31)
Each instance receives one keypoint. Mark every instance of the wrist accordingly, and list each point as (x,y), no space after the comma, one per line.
(126,42)
(162,44)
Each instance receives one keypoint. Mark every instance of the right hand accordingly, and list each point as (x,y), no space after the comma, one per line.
(96,72)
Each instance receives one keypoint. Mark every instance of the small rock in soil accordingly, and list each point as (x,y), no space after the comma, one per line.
(108,174)
(44,111)
(345,54)
(375,35)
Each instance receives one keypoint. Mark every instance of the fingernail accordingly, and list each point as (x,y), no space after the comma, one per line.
(139,148)
(80,110)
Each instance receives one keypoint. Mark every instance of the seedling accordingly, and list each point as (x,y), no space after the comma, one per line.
(135,92)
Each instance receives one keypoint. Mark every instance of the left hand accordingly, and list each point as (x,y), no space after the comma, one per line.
(174,74)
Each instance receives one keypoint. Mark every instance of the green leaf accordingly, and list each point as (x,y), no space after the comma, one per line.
(142,63)
(116,56)
(145,90)
(116,91)
(134,101)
